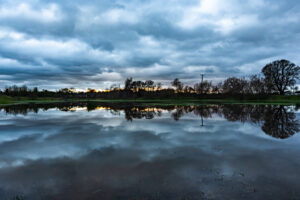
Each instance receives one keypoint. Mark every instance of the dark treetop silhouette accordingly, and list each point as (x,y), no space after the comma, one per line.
(279,77)
(281,74)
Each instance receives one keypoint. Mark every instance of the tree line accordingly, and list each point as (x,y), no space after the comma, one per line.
(278,77)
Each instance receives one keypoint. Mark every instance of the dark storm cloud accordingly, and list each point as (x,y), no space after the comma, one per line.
(96,43)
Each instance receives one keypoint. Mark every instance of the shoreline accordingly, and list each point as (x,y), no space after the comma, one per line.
(283,100)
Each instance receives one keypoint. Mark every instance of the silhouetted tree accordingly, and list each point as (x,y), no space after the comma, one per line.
(138,85)
(149,84)
(257,85)
(128,83)
(203,87)
(177,83)
(159,86)
(280,75)
(65,90)
(188,89)
(35,90)
(91,90)
(235,86)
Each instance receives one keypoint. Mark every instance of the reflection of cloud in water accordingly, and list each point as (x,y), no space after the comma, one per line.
(75,135)
(100,155)
(276,120)
(183,171)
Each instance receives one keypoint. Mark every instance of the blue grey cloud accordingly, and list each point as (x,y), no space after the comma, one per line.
(94,44)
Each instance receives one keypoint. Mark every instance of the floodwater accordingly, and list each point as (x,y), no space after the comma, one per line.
(140,152)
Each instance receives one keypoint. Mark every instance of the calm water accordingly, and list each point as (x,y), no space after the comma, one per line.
(109,151)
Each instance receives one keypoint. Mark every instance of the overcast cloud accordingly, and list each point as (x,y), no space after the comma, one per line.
(54,44)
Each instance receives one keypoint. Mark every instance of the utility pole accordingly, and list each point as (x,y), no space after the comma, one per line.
(202,77)
(201,114)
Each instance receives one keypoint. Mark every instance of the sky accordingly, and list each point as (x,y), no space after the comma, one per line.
(94,44)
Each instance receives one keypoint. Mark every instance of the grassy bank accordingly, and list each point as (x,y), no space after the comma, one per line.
(5,100)
(287,100)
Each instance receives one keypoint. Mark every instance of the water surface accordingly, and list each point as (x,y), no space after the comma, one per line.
(121,151)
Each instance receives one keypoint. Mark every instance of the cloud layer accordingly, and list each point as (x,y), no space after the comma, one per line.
(94,44)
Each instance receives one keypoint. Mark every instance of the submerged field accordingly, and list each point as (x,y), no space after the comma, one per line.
(129,150)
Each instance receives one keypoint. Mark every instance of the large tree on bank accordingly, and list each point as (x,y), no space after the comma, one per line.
(281,74)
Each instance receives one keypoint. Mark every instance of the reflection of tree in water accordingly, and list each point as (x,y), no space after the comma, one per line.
(24,109)
(279,122)
(20,109)
(276,121)
(137,113)
(236,112)
(243,113)
(202,111)
(179,112)
(205,111)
